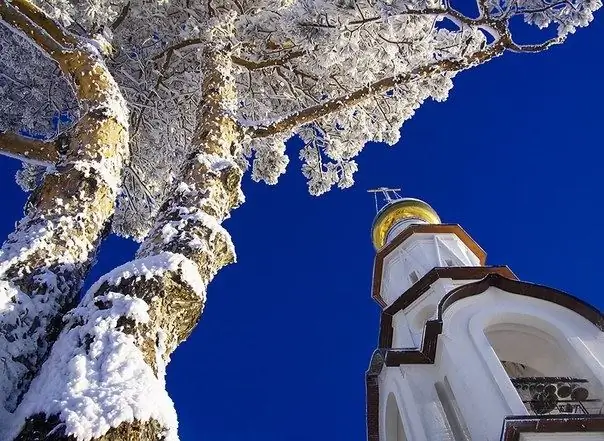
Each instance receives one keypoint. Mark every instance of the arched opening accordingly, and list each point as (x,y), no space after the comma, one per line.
(527,351)
(394,424)
(545,372)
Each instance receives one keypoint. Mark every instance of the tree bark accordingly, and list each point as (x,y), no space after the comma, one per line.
(140,312)
(29,150)
(45,260)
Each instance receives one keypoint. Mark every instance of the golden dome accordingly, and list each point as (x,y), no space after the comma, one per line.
(396,211)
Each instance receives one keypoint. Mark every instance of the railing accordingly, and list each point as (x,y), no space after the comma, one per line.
(557,395)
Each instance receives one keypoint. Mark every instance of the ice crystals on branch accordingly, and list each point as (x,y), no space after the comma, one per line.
(304,61)
(337,73)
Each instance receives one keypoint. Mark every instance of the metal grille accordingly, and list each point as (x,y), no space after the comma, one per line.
(557,395)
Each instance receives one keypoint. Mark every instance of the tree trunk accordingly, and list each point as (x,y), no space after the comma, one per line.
(111,357)
(45,260)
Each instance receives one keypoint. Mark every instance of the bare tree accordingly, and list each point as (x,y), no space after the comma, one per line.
(212,86)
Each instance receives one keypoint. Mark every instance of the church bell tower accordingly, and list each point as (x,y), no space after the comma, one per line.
(466,351)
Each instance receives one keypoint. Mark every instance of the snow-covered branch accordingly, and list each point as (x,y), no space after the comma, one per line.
(335,105)
(139,313)
(25,17)
(45,260)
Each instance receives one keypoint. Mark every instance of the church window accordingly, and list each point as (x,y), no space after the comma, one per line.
(413,277)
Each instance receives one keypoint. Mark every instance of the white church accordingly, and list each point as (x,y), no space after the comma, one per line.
(466,351)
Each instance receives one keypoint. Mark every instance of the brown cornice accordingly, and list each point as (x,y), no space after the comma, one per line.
(447,272)
(513,426)
(372,395)
(524,289)
(493,278)
(394,357)
(408,232)
(423,285)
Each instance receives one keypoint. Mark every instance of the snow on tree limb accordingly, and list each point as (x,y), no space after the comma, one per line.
(45,260)
(302,62)
(112,355)
(212,86)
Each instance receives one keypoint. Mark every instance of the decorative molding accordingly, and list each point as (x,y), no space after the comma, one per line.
(372,395)
(524,289)
(386,356)
(514,426)
(423,285)
(378,266)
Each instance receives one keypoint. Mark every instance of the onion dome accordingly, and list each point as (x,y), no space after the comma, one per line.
(400,213)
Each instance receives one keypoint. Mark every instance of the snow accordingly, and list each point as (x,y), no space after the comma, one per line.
(96,388)
(342,52)
(153,266)
(105,170)
(189,223)
(215,162)
(25,316)
(109,382)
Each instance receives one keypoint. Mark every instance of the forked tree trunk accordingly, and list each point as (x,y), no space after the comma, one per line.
(112,355)
(45,260)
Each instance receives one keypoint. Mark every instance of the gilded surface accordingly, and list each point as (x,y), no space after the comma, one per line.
(398,211)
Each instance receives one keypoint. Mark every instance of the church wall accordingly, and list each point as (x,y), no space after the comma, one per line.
(392,380)
(417,255)
(425,418)
(475,370)
(478,381)
(409,324)
(570,436)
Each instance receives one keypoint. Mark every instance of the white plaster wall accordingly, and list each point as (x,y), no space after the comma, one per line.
(482,389)
(475,368)
(425,308)
(393,380)
(420,253)
(424,418)
(402,337)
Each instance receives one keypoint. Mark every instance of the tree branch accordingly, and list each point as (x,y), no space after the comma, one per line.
(248,64)
(532,48)
(20,14)
(181,45)
(334,105)
(253,65)
(78,198)
(50,26)
(123,14)
(28,149)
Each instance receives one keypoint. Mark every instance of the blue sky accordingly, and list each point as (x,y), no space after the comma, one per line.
(514,156)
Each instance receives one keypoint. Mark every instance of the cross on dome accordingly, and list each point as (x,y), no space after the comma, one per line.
(389,195)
